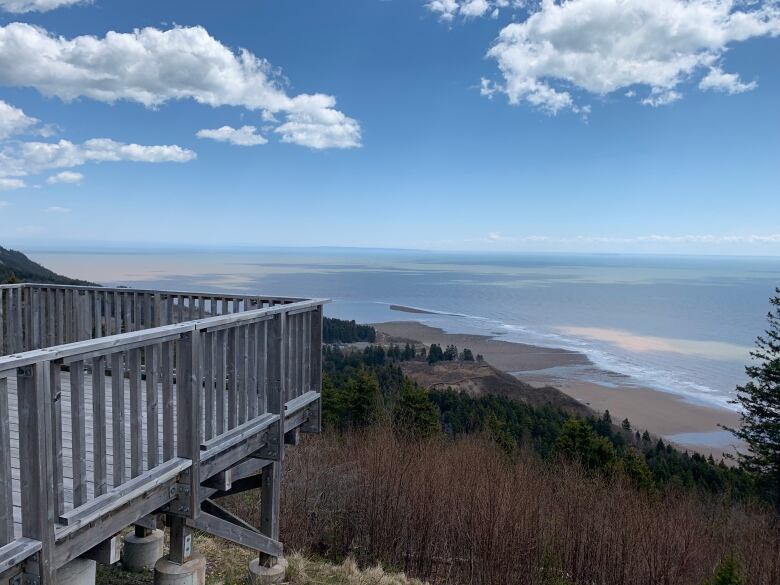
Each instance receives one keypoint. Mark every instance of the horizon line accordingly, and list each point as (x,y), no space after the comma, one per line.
(123,246)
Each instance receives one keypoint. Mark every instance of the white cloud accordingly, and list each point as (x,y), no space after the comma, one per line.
(8,184)
(33,157)
(4,204)
(19,158)
(13,120)
(474,8)
(313,122)
(56,209)
(717,80)
(65,177)
(662,97)
(601,46)
(21,6)
(447,10)
(152,67)
(244,136)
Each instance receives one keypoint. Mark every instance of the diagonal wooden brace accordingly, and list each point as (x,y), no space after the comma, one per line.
(231,528)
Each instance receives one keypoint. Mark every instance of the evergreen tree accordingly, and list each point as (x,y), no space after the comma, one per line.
(759,400)
(435,354)
(727,572)
(352,405)
(415,414)
(340,331)
(626,424)
(468,356)
(603,425)
(11,279)
(497,431)
(363,392)
(451,353)
(578,442)
(635,467)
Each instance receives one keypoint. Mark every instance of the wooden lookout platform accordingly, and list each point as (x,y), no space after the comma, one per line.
(123,407)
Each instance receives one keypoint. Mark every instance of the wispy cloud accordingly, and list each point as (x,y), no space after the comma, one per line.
(22,6)
(65,177)
(56,209)
(652,238)
(8,184)
(13,120)
(244,136)
(717,80)
(20,159)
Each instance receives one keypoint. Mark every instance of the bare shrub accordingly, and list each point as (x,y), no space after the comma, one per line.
(462,512)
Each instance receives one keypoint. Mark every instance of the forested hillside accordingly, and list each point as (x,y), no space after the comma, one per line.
(341,331)
(364,387)
(16,267)
(461,488)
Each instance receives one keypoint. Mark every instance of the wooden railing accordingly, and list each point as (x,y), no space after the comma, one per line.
(126,403)
(33,316)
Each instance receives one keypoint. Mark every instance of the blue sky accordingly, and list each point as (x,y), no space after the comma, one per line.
(452,124)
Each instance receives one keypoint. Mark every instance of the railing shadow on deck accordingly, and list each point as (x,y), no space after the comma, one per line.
(117,404)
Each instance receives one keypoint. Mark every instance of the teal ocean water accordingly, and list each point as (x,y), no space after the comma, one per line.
(680,324)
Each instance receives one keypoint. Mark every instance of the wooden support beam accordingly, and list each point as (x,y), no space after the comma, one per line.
(119,496)
(16,552)
(238,486)
(81,540)
(181,541)
(238,533)
(107,552)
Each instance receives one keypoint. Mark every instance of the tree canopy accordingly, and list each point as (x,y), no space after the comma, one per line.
(759,400)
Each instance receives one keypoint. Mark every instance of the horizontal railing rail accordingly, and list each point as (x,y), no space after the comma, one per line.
(33,316)
(107,420)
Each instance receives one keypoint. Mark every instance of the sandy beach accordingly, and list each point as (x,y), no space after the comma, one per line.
(661,413)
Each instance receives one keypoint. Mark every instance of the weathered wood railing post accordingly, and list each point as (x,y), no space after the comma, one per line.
(315,425)
(272,473)
(6,482)
(37,470)
(188,416)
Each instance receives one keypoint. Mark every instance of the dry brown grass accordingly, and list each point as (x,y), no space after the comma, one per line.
(304,571)
(228,564)
(461,512)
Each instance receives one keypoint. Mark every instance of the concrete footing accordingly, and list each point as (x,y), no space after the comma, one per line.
(142,552)
(77,572)
(193,572)
(261,575)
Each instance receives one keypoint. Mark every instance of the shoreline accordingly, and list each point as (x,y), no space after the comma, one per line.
(661,413)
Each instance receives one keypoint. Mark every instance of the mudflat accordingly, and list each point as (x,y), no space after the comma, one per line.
(661,413)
